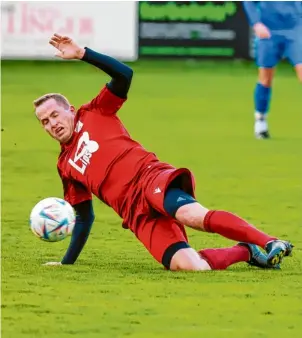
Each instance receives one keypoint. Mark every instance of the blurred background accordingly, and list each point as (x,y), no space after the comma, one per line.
(128,30)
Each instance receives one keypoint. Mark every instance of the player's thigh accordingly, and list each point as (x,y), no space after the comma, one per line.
(162,237)
(294,54)
(293,49)
(168,178)
(268,51)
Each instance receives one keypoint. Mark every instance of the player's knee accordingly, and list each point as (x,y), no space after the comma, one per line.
(188,260)
(192,215)
(265,76)
(299,72)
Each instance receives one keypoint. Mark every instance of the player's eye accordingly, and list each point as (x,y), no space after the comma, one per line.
(44,122)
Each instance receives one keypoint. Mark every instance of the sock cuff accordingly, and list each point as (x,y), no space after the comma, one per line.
(206,221)
(264,88)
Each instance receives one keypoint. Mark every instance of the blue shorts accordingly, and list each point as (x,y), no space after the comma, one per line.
(270,51)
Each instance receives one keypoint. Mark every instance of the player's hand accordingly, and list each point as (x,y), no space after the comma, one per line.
(261,31)
(67,48)
(53,263)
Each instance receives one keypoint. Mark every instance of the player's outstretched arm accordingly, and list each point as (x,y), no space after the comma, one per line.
(120,73)
(81,231)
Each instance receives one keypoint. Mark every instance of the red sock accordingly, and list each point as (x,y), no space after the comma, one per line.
(220,259)
(233,227)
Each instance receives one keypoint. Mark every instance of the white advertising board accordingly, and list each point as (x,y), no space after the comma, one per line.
(109,27)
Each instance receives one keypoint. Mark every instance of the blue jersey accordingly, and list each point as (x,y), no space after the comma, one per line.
(284,20)
(276,15)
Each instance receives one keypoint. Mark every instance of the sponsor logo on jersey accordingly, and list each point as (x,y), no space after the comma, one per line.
(83,154)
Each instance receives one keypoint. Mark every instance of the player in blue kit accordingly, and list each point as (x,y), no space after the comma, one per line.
(278,29)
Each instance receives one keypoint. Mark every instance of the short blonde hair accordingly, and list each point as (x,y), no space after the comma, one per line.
(61,99)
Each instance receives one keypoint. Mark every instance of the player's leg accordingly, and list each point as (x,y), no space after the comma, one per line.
(188,260)
(262,98)
(293,51)
(171,193)
(182,206)
(298,69)
(268,54)
(222,258)
(219,259)
(166,240)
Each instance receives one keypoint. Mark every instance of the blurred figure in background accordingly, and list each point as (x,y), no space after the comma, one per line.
(278,29)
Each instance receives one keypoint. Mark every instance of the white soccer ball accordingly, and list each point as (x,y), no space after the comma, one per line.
(52,219)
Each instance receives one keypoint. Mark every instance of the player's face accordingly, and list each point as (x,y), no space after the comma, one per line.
(56,119)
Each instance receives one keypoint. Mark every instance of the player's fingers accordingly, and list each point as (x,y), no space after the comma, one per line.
(54,38)
(58,35)
(66,39)
(53,43)
(265,35)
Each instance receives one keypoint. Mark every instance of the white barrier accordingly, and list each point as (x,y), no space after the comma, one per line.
(109,27)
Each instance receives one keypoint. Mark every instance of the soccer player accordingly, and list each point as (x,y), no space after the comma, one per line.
(153,198)
(278,29)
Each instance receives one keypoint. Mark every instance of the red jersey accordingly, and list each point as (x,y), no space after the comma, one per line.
(101,158)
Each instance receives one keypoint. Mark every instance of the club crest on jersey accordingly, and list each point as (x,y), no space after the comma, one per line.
(83,154)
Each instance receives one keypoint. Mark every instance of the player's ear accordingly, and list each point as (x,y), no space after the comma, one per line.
(72,109)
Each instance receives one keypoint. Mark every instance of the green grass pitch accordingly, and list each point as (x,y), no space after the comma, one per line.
(197,115)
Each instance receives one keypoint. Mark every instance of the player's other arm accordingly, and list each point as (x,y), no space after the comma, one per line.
(253,15)
(81,200)
(81,231)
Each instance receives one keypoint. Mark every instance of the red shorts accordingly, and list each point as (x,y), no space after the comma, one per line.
(161,234)
(162,237)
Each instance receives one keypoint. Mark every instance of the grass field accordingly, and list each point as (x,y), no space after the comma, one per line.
(193,115)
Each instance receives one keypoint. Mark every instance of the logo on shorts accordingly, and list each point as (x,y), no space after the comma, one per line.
(83,154)
(157,191)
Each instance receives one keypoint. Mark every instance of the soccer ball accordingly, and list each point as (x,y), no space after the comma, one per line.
(52,219)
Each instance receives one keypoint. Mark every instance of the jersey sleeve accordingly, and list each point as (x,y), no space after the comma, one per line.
(252,13)
(75,192)
(106,103)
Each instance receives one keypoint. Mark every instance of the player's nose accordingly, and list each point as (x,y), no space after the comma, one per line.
(53,123)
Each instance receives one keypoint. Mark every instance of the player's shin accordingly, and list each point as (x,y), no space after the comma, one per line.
(223,223)
(220,259)
(262,98)
(233,227)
